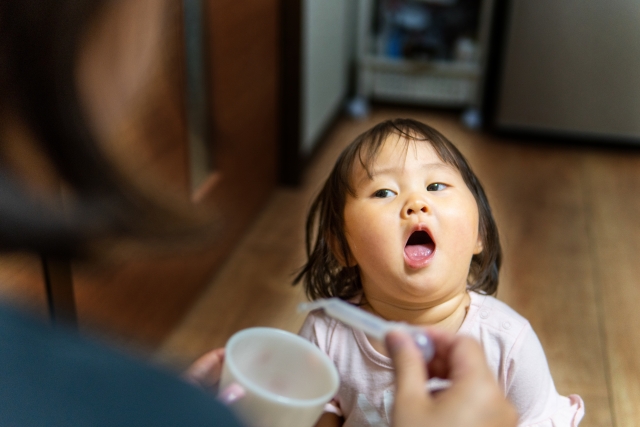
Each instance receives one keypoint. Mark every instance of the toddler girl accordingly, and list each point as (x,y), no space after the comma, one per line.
(403,229)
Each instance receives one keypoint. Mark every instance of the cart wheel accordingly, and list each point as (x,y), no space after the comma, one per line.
(472,118)
(358,107)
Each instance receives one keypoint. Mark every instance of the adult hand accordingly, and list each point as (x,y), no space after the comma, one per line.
(206,370)
(473,399)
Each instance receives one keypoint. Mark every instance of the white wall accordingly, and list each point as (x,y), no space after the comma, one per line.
(327,40)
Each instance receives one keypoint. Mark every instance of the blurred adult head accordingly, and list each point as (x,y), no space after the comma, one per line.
(51,63)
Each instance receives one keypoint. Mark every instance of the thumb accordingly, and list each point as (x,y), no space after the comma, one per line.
(468,360)
(206,370)
(410,367)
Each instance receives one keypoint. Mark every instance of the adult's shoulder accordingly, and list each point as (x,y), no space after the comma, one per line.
(56,377)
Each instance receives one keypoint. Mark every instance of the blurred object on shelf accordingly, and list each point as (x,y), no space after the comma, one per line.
(420,30)
(421,52)
(466,50)
(440,2)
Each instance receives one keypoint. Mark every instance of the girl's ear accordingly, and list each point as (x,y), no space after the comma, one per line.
(336,250)
(479,246)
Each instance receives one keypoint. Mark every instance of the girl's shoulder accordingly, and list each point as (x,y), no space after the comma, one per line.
(318,318)
(507,337)
(323,324)
(489,313)
(322,330)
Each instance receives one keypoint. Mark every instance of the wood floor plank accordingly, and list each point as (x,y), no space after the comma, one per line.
(613,185)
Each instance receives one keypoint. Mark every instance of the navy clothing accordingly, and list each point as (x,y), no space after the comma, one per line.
(53,377)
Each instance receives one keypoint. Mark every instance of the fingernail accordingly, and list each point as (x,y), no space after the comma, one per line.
(394,342)
(424,343)
(232,393)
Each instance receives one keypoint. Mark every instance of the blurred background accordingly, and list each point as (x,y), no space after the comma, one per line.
(240,108)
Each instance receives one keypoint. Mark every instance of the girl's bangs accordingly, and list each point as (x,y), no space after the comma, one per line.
(370,144)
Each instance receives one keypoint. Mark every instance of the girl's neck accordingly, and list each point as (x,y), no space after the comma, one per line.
(447,314)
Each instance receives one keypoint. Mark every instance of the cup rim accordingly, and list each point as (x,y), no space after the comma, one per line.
(291,401)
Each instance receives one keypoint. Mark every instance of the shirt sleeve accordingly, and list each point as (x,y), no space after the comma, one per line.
(530,387)
(317,330)
(309,330)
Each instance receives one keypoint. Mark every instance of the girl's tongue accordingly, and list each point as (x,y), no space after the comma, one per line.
(419,247)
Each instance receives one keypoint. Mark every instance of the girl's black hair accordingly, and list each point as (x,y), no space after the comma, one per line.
(327,272)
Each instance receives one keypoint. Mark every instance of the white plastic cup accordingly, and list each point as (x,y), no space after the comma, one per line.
(273,378)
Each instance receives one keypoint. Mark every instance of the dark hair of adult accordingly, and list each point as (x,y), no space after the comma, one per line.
(39,48)
(324,275)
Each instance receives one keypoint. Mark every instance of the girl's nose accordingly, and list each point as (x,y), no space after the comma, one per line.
(414,206)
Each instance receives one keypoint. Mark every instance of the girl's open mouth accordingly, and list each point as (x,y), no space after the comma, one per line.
(419,248)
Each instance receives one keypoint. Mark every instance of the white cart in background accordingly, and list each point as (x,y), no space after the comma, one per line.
(426,80)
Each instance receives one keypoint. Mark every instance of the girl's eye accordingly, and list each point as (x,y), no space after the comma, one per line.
(436,186)
(381,194)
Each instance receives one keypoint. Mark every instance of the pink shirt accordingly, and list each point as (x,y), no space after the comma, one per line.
(513,352)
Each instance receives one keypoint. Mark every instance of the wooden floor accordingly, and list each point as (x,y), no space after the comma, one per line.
(570,227)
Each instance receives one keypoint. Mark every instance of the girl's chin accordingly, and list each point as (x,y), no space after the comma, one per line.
(418,293)
(420,290)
